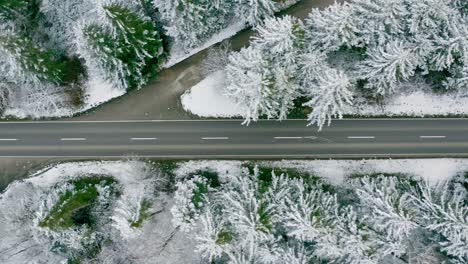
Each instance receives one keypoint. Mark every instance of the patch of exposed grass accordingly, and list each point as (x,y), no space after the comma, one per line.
(74,207)
(143,213)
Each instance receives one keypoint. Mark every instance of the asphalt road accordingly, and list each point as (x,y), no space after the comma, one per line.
(229,139)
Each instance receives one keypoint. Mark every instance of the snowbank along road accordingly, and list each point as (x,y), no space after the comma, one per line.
(229,139)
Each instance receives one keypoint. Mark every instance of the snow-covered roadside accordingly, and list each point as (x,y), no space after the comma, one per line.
(206,98)
(415,103)
(336,171)
(200,98)
(55,102)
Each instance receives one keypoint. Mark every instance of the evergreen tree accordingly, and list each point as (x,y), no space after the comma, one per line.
(127,47)
(380,21)
(254,11)
(263,76)
(24,60)
(386,66)
(190,22)
(14,10)
(329,29)
(330,93)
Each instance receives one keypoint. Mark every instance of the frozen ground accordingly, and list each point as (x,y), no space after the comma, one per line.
(409,102)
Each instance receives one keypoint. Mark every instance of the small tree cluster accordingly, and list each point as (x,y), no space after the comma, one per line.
(276,69)
(190,23)
(396,41)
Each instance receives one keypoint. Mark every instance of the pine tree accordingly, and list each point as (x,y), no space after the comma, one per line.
(332,28)
(127,47)
(263,76)
(388,210)
(387,66)
(189,22)
(380,21)
(445,212)
(24,60)
(330,93)
(254,11)
(14,10)
(60,17)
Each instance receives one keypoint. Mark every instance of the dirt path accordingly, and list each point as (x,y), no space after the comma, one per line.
(161,98)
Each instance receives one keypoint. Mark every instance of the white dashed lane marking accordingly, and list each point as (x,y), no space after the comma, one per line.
(73,139)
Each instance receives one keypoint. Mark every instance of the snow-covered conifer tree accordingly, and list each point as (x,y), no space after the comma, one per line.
(23,60)
(189,22)
(388,210)
(262,77)
(330,93)
(254,11)
(16,10)
(249,83)
(124,46)
(380,21)
(61,16)
(190,201)
(331,28)
(444,211)
(386,66)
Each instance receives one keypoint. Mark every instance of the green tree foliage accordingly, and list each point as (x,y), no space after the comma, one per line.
(30,58)
(129,47)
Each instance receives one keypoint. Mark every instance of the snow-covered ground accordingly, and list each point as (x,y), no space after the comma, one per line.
(207,99)
(200,98)
(336,171)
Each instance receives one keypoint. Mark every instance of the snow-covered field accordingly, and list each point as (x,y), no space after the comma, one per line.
(199,101)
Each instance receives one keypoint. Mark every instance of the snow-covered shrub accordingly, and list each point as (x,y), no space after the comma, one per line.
(190,200)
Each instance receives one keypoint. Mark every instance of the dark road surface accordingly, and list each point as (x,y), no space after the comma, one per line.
(229,139)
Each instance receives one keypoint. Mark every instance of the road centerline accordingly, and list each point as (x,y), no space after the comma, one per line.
(73,139)
(432,136)
(361,137)
(215,138)
(142,139)
(8,139)
(288,137)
